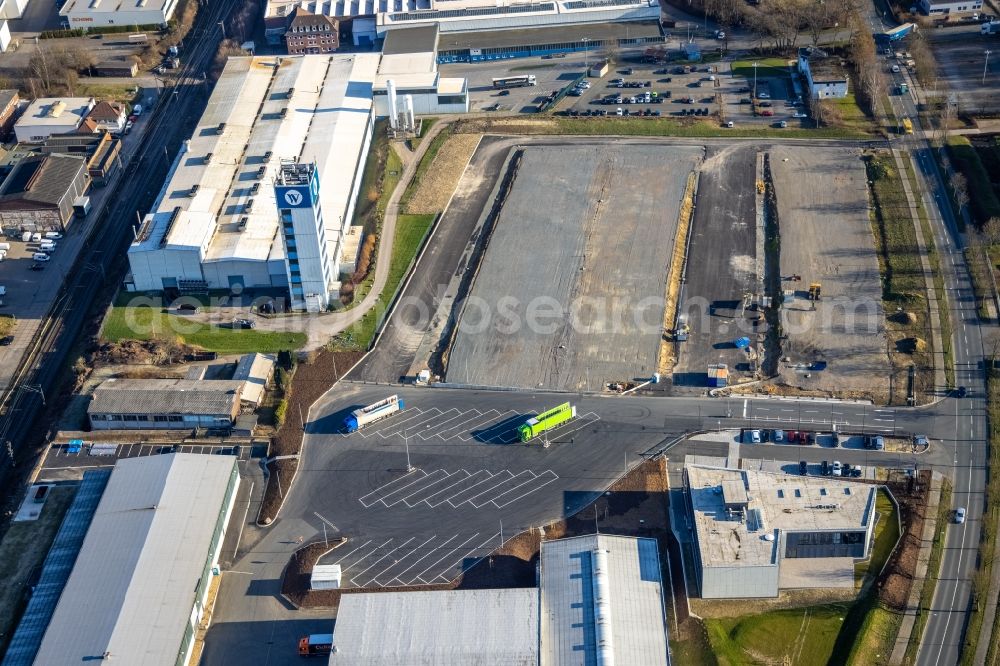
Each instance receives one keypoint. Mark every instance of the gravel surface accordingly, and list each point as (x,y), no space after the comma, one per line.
(440,180)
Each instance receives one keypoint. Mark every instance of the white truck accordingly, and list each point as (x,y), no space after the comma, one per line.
(991,28)
(359,418)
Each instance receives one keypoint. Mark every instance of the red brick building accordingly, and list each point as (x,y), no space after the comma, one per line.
(312,33)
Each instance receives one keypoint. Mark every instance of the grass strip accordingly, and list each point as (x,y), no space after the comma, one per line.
(148,323)
(988,536)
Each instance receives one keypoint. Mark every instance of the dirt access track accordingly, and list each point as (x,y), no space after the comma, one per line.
(570,293)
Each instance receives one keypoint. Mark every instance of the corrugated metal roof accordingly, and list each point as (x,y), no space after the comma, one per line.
(165,396)
(132,590)
(55,572)
(568,635)
(255,370)
(44,179)
(459,627)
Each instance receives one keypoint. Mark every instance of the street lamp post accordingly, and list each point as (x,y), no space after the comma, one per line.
(586,53)
(222,25)
(986,65)
(755,80)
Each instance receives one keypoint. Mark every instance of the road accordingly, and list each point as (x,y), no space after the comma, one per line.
(944,633)
(102,259)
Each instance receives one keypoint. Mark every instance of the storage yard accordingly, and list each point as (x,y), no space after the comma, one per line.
(584,252)
(837,343)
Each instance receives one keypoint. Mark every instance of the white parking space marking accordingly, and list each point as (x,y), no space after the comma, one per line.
(419,472)
(474,422)
(420,576)
(401,558)
(540,480)
(353,550)
(409,488)
(358,575)
(441,497)
(344,568)
(484,486)
(436,488)
(414,427)
(458,416)
(416,562)
(459,561)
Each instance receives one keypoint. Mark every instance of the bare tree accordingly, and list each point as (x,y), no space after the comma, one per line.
(959,190)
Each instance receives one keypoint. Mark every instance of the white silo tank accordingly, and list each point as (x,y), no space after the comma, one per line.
(410,124)
(393,114)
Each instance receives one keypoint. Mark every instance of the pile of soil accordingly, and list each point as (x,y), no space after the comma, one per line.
(311,380)
(894,584)
(141,352)
(636,501)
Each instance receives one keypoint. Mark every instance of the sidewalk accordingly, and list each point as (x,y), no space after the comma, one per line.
(920,577)
(321,328)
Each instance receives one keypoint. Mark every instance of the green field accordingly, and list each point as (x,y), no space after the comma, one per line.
(145,323)
(886,536)
(410,233)
(766,68)
(800,636)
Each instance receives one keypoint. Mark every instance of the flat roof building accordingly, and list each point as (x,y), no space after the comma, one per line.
(94,13)
(139,585)
(410,65)
(51,115)
(758,532)
(163,404)
(599,600)
(602,601)
(216,223)
(826,75)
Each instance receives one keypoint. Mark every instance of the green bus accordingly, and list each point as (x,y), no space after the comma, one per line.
(547,420)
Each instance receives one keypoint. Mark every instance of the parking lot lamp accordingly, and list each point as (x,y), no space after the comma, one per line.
(986,65)
(586,52)
(755,80)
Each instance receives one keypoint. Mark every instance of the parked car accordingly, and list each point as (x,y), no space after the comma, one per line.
(763,95)
(838,469)
(37,266)
(6,340)
(187,308)
(803,467)
(244,323)
(825,468)
(754,436)
(778,436)
(799,114)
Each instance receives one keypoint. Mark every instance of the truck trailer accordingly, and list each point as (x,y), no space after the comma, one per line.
(991,28)
(315,645)
(359,418)
(547,420)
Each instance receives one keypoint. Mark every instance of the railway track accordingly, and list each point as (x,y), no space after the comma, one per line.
(36,379)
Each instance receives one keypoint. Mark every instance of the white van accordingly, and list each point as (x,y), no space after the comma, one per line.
(53,235)
(40,256)
(36,237)
(26,237)
(4,246)
(47,247)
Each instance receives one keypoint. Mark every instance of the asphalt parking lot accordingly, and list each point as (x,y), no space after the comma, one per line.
(838,342)
(723,264)
(472,485)
(961,58)
(550,75)
(562,297)
(776,100)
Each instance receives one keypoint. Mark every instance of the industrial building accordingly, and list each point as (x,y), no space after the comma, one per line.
(164,404)
(256,371)
(100,149)
(12,9)
(140,583)
(312,33)
(51,115)
(371,20)
(39,193)
(263,192)
(948,8)
(409,66)
(758,532)
(468,627)
(9,100)
(825,75)
(95,13)
(600,600)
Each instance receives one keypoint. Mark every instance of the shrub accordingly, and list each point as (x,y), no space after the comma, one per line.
(280,411)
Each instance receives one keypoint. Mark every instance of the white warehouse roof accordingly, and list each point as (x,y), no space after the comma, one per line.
(312,108)
(55,111)
(467,627)
(132,589)
(634,601)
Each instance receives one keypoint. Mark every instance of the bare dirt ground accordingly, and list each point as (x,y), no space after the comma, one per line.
(839,342)
(439,182)
(639,498)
